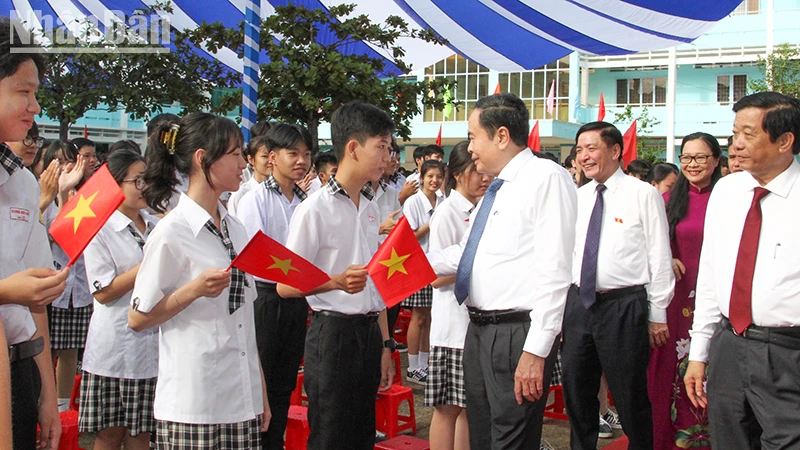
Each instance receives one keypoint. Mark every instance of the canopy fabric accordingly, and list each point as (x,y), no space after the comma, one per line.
(505,35)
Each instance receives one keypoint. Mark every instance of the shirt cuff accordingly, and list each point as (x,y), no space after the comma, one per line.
(539,342)
(698,350)
(657,314)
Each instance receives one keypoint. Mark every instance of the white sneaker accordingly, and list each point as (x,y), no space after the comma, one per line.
(613,419)
(605,431)
(544,445)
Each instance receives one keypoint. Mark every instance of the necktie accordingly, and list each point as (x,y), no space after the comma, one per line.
(238,280)
(464,274)
(588,288)
(136,235)
(740,314)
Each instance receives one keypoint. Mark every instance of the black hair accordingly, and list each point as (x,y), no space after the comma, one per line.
(197,130)
(660,171)
(124,144)
(568,161)
(723,162)
(256,144)
(359,121)
(679,196)
(120,161)
(504,110)
(639,169)
(324,159)
(159,119)
(67,148)
(429,165)
(582,178)
(433,150)
(547,155)
(33,130)
(80,142)
(419,153)
(608,133)
(395,146)
(261,128)
(460,161)
(285,135)
(14,39)
(782,114)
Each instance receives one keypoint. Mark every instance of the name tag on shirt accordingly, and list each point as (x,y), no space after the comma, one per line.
(19,214)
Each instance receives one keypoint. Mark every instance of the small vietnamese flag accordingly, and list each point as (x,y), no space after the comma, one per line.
(86,213)
(86,132)
(551,99)
(534,141)
(629,145)
(400,267)
(439,136)
(601,113)
(266,258)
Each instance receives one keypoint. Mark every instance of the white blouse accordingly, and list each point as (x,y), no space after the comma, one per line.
(418,211)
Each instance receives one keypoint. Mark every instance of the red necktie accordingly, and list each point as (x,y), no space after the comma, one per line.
(740,314)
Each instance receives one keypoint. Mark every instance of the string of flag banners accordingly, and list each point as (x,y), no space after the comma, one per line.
(398,269)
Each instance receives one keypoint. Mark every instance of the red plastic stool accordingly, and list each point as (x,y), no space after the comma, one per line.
(401,326)
(555,410)
(298,399)
(398,377)
(76,393)
(388,419)
(297,429)
(69,431)
(404,443)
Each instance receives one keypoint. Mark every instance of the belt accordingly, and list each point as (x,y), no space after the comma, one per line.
(788,337)
(613,294)
(497,317)
(27,349)
(368,318)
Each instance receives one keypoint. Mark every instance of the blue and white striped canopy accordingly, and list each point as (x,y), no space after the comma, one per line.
(506,35)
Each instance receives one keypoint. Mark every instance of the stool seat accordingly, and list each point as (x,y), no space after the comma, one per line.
(403,443)
(388,419)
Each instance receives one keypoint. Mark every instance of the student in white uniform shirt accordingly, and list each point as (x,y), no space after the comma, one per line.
(210,390)
(258,158)
(280,322)
(326,164)
(27,279)
(444,389)
(336,229)
(119,365)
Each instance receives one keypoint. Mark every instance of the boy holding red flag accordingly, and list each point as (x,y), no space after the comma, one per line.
(336,229)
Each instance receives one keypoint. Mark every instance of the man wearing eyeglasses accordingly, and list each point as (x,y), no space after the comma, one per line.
(29,146)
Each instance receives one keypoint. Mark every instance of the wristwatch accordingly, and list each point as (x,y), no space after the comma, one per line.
(390,344)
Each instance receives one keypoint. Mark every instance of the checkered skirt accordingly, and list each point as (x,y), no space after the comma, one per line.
(555,380)
(116,402)
(445,385)
(423,298)
(68,327)
(226,436)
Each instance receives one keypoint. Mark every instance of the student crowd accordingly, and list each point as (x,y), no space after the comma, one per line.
(587,274)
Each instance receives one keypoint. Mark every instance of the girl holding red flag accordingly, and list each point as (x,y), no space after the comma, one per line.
(210,392)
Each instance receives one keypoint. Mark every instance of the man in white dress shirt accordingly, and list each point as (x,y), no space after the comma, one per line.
(513,268)
(622,285)
(746,319)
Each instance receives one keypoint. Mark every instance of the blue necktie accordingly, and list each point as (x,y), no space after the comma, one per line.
(464,274)
(588,288)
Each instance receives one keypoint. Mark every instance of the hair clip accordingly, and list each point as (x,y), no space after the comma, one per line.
(168,138)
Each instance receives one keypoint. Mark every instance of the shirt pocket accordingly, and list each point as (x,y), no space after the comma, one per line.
(16,229)
(785,261)
(501,236)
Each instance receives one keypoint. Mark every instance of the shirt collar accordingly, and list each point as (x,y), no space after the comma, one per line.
(513,167)
(334,188)
(783,183)
(696,190)
(119,221)
(612,182)
(271,183)
(460,202)
(9,160)
(196,215)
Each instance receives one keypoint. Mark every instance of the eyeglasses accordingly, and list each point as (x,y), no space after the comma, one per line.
(138,183)
(699,159)
(30,141)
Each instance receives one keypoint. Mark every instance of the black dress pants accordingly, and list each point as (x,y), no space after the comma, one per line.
(611,337)
(26,385)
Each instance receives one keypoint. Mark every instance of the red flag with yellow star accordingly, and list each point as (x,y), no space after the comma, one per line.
(266,258)
(400,267)
(86,213)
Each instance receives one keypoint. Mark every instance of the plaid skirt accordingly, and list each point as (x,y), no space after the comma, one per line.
(423,298)
(116,402)
(226,436)
(445,385)
(555,380)
(68,327)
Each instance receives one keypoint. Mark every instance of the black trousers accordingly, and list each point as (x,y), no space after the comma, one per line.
(496,421)
(342,374)
(612,338)
(753,394)
(26,385)
(280,337)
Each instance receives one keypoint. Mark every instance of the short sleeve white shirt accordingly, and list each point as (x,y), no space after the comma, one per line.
(236,197)
(208,371)
(113,349)
(77,286)
(388,202)
(418,210)
(315,185)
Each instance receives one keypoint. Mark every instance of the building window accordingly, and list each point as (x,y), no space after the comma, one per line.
(731,88)
(472,83)
(746,7)
(533,88)
(642,91)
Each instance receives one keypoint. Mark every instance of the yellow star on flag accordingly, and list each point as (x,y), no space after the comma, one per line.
(82,209)
(284,265)
(395,263)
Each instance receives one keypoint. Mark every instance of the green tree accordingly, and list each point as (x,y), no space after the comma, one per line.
(781,70)
(305,81)
(90,70)
(646,149)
